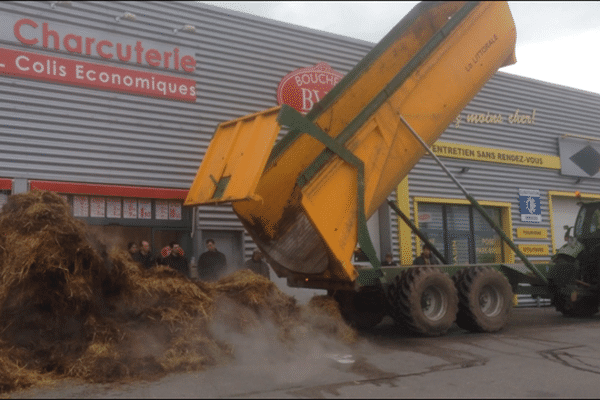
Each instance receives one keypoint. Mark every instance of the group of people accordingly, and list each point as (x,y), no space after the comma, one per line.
(171,255)
(426,258)
(211,266)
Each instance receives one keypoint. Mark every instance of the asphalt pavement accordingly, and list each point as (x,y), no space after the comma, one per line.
(540,354)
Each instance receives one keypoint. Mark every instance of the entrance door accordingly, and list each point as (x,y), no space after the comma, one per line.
(564,211)
(228,243)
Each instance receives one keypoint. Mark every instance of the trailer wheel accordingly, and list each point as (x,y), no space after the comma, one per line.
(425,300)
(363,309)
(485,299)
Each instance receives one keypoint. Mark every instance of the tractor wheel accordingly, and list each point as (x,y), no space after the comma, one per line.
(584,307)
(363,309)
(425,300)
(485,299)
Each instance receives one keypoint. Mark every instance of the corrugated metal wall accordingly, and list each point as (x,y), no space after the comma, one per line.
(558,111)
(59,132)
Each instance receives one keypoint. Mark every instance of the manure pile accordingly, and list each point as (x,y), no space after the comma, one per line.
(71,308)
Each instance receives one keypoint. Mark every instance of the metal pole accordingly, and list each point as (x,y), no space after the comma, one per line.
(477,206)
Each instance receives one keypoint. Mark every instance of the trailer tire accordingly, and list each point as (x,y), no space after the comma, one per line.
(425,300)
(363,309)
(485,299)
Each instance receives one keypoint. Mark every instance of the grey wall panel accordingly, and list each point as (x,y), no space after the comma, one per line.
(559,110)
(394,228)
(62,132)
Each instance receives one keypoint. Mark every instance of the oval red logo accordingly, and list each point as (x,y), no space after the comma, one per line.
(304,87)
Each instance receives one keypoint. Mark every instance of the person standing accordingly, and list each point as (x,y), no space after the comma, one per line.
(145,256)
(426,257)
(133,251)
(164,253)
(257,265)
(389,261)
(176,259)
(212,263)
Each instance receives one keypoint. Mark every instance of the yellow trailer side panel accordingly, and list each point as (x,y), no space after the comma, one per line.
(426,69)
(428,100)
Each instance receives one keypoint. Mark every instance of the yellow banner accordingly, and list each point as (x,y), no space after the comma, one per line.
(534,249)
(532,233)
(468,152)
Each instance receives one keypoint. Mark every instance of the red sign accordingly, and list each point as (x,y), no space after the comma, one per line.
(92,43)
(97,76)
(425,217)
(305,87)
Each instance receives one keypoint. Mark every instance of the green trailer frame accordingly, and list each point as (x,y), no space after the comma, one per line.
(524,278)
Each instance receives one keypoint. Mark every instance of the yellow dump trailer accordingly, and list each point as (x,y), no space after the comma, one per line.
(306,199)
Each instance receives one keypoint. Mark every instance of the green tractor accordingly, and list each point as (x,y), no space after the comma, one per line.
(574,277)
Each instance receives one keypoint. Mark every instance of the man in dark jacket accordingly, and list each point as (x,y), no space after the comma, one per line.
(426,257)
(144,256)
(212,263)
(389,261)
(176,260)
(257,265)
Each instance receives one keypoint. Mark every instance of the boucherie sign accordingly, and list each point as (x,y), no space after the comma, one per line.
(305,87)
(100,46)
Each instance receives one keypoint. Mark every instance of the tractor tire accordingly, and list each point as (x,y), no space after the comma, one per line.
(363,309)
(564,272)
(582,308)
(424,299)
(485,299)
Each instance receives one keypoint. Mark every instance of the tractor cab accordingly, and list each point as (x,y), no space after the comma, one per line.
(585,233)
(574,278)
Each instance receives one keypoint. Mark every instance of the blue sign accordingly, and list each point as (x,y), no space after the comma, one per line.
(529,201)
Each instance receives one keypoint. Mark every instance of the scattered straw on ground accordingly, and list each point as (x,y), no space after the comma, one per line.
(70,307)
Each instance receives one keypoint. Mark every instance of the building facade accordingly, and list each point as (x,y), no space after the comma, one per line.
(113,105)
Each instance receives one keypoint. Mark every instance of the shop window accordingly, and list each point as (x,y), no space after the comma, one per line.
(127,211)
(461,234)
(579,222)
(126,208)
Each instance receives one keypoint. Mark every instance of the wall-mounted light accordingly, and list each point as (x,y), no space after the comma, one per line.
(185,28)
(464,170)
(53,4)
(126,15)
